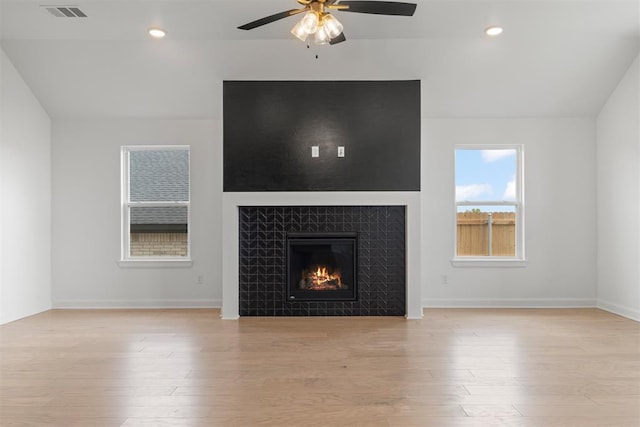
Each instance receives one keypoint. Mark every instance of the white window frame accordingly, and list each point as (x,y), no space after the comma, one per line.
(126,260)
(519,259)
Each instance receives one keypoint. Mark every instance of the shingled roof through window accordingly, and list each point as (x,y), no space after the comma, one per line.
(159,176)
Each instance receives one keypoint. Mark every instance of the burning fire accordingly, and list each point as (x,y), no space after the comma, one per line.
(320,279)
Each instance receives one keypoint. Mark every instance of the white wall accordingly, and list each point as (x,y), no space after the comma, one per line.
(560,211)
(618,133)
(25,197)
(560,215)
(86,215)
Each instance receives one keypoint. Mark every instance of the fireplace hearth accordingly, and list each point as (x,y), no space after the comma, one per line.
(322,266)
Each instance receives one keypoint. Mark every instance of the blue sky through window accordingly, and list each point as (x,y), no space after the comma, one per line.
(486,175)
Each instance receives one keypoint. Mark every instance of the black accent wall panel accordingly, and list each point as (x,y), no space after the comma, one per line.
(381,259)
(270,127)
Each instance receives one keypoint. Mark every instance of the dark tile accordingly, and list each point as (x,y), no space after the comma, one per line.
(381,258)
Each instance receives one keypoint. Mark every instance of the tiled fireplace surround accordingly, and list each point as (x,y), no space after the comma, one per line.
(231,238)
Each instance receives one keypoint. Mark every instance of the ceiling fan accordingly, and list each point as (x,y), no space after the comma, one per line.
(324,26)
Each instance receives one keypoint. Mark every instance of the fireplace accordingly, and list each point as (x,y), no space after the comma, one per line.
(375,232)
(322,266)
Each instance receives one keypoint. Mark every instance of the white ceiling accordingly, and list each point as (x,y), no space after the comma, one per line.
(555,58)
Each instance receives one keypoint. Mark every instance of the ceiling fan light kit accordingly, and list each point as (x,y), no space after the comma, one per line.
(324,26)
(307,25)
(332,26)
(321,36)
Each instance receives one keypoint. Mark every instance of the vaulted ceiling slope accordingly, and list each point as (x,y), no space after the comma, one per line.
(555,57)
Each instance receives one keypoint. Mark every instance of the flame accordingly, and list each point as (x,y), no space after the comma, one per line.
(321,279)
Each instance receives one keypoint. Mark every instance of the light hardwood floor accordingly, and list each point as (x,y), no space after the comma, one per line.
(463,367)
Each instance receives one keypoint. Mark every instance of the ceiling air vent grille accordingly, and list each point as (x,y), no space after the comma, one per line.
(65,11)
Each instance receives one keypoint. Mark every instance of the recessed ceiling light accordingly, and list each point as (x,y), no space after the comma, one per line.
(493,31)
(157,33)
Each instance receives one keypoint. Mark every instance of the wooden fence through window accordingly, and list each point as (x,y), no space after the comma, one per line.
(486,234)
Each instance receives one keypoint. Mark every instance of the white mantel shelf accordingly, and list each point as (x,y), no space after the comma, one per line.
(230,235)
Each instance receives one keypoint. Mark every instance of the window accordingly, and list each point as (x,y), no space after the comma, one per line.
(489,203)
(155,203)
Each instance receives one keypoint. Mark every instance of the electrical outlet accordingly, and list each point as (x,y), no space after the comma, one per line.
(341,151)
(315,151)
(444,279)
(200,280)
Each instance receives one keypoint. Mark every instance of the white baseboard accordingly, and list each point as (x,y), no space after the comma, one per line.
(620,310)
(223,317)
(509,303)
(24,315)
(151,303)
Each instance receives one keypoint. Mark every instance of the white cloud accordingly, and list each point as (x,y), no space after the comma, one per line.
(489,156)
(469,192)
(510,191)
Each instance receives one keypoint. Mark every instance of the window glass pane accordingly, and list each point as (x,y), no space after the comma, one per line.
(162,218)
(158,231)
(159,176)
(486,175)
(486,231)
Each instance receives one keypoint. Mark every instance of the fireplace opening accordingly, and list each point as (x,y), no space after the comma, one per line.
(321,266)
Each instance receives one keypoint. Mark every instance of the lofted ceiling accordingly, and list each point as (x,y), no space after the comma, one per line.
(555,57)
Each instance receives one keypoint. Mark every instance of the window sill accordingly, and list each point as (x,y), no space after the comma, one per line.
(489,262)
(155,263)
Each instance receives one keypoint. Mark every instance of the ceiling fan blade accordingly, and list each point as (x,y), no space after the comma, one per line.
(338,39)
(379,7)
(269,19)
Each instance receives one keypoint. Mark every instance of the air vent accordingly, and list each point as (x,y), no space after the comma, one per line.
(65,11)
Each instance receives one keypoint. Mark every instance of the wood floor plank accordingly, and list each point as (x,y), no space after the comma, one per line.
(457,367)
